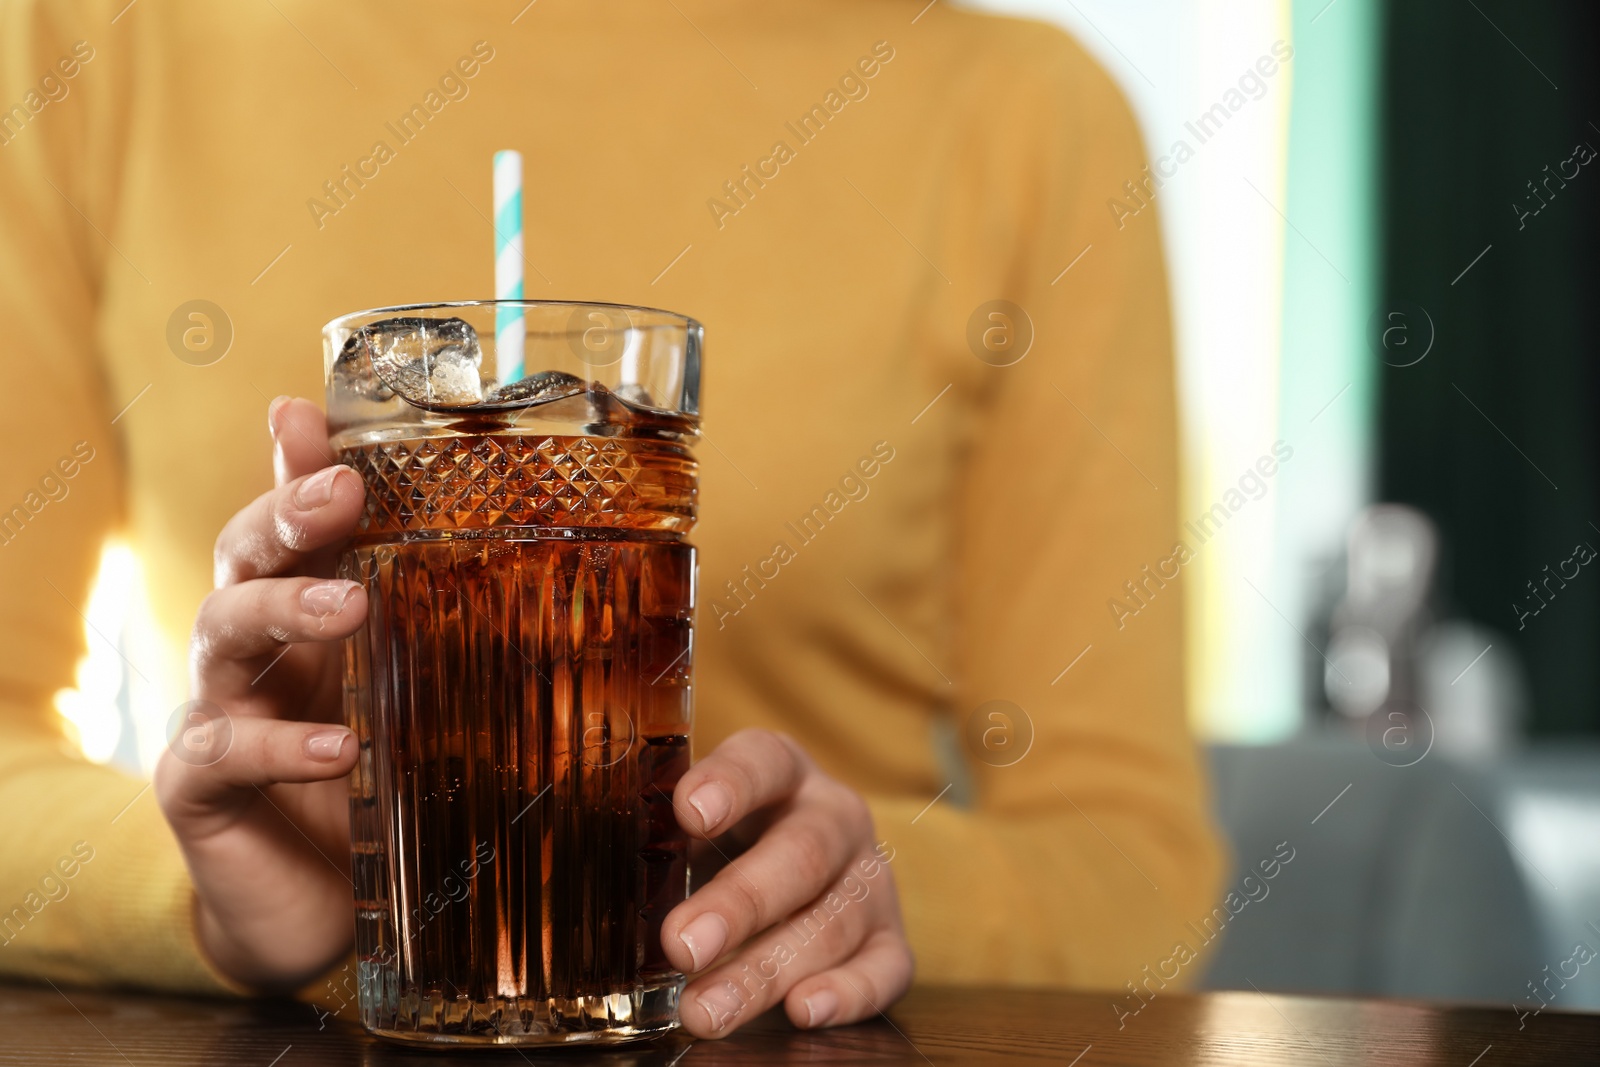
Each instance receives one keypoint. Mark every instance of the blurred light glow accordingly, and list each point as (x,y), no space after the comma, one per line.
(118,708)
(1328,371)
(94,708)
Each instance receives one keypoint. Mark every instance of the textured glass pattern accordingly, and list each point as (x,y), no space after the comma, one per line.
(478,481)
(521,697)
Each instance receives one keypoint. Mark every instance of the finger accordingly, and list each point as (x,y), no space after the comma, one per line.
(824,933)
(748,771)
(707,859)
(281,527)
(871,980)
(215,755)
(798,856)
(300,438)
(240,626)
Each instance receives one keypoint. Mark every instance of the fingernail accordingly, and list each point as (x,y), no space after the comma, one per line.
(316,490)
(821,1007)
(326,744)
(272,415)
(713,803)
(326,598)
(704,938)
(722,1004)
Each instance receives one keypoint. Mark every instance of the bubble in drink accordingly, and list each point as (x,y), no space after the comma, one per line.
(434,362)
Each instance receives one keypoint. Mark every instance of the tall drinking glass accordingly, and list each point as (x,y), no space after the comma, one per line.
(521,689)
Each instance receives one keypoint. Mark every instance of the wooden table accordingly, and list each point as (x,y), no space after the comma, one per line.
(942,1027)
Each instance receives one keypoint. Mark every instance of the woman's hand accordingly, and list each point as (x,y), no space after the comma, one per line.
(254,786)
(806,915)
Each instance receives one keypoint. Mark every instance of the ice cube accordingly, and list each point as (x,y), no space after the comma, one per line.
(352,372)
(543,385)
(635,394)
(430,361)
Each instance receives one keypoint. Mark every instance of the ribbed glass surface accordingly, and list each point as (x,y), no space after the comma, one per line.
(521,696)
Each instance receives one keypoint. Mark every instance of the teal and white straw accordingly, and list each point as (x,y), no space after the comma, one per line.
(510,327)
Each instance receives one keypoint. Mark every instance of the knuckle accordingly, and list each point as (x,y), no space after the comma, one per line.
(166,779)
(890,972)
(257,752)
(786,753)
(262,607)
(232,622)
(211,610)
(868,987)
(811,857)
(201,654)
(223,570)
(743,763)
(749,903)
(239,546)
(760,745)
(288,531)
(250,555)
(757,764)
(902,962)
(855,814)
(209,624)
(740,781)
(233,561)
(831,932)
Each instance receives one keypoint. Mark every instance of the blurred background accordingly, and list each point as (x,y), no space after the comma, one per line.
(1380,221)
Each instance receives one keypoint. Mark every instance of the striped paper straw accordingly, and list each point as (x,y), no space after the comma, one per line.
(510,327)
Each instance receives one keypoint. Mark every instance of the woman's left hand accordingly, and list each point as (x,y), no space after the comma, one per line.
(807,914)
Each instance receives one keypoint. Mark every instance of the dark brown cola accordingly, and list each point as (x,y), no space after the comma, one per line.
(521,697)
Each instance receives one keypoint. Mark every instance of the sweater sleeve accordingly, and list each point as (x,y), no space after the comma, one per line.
(92,887)
(1087,844)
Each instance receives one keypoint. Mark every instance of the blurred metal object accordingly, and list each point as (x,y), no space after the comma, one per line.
(1377,628)
(1472,681)
(1401,674)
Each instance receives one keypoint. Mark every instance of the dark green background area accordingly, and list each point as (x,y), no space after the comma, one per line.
(1467,122)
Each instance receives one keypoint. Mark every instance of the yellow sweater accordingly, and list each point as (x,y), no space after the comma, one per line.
(835,188)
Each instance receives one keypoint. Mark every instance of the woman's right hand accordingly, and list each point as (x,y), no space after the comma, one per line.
(254,785)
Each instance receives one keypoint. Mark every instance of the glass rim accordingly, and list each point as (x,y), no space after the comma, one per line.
(678,319)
